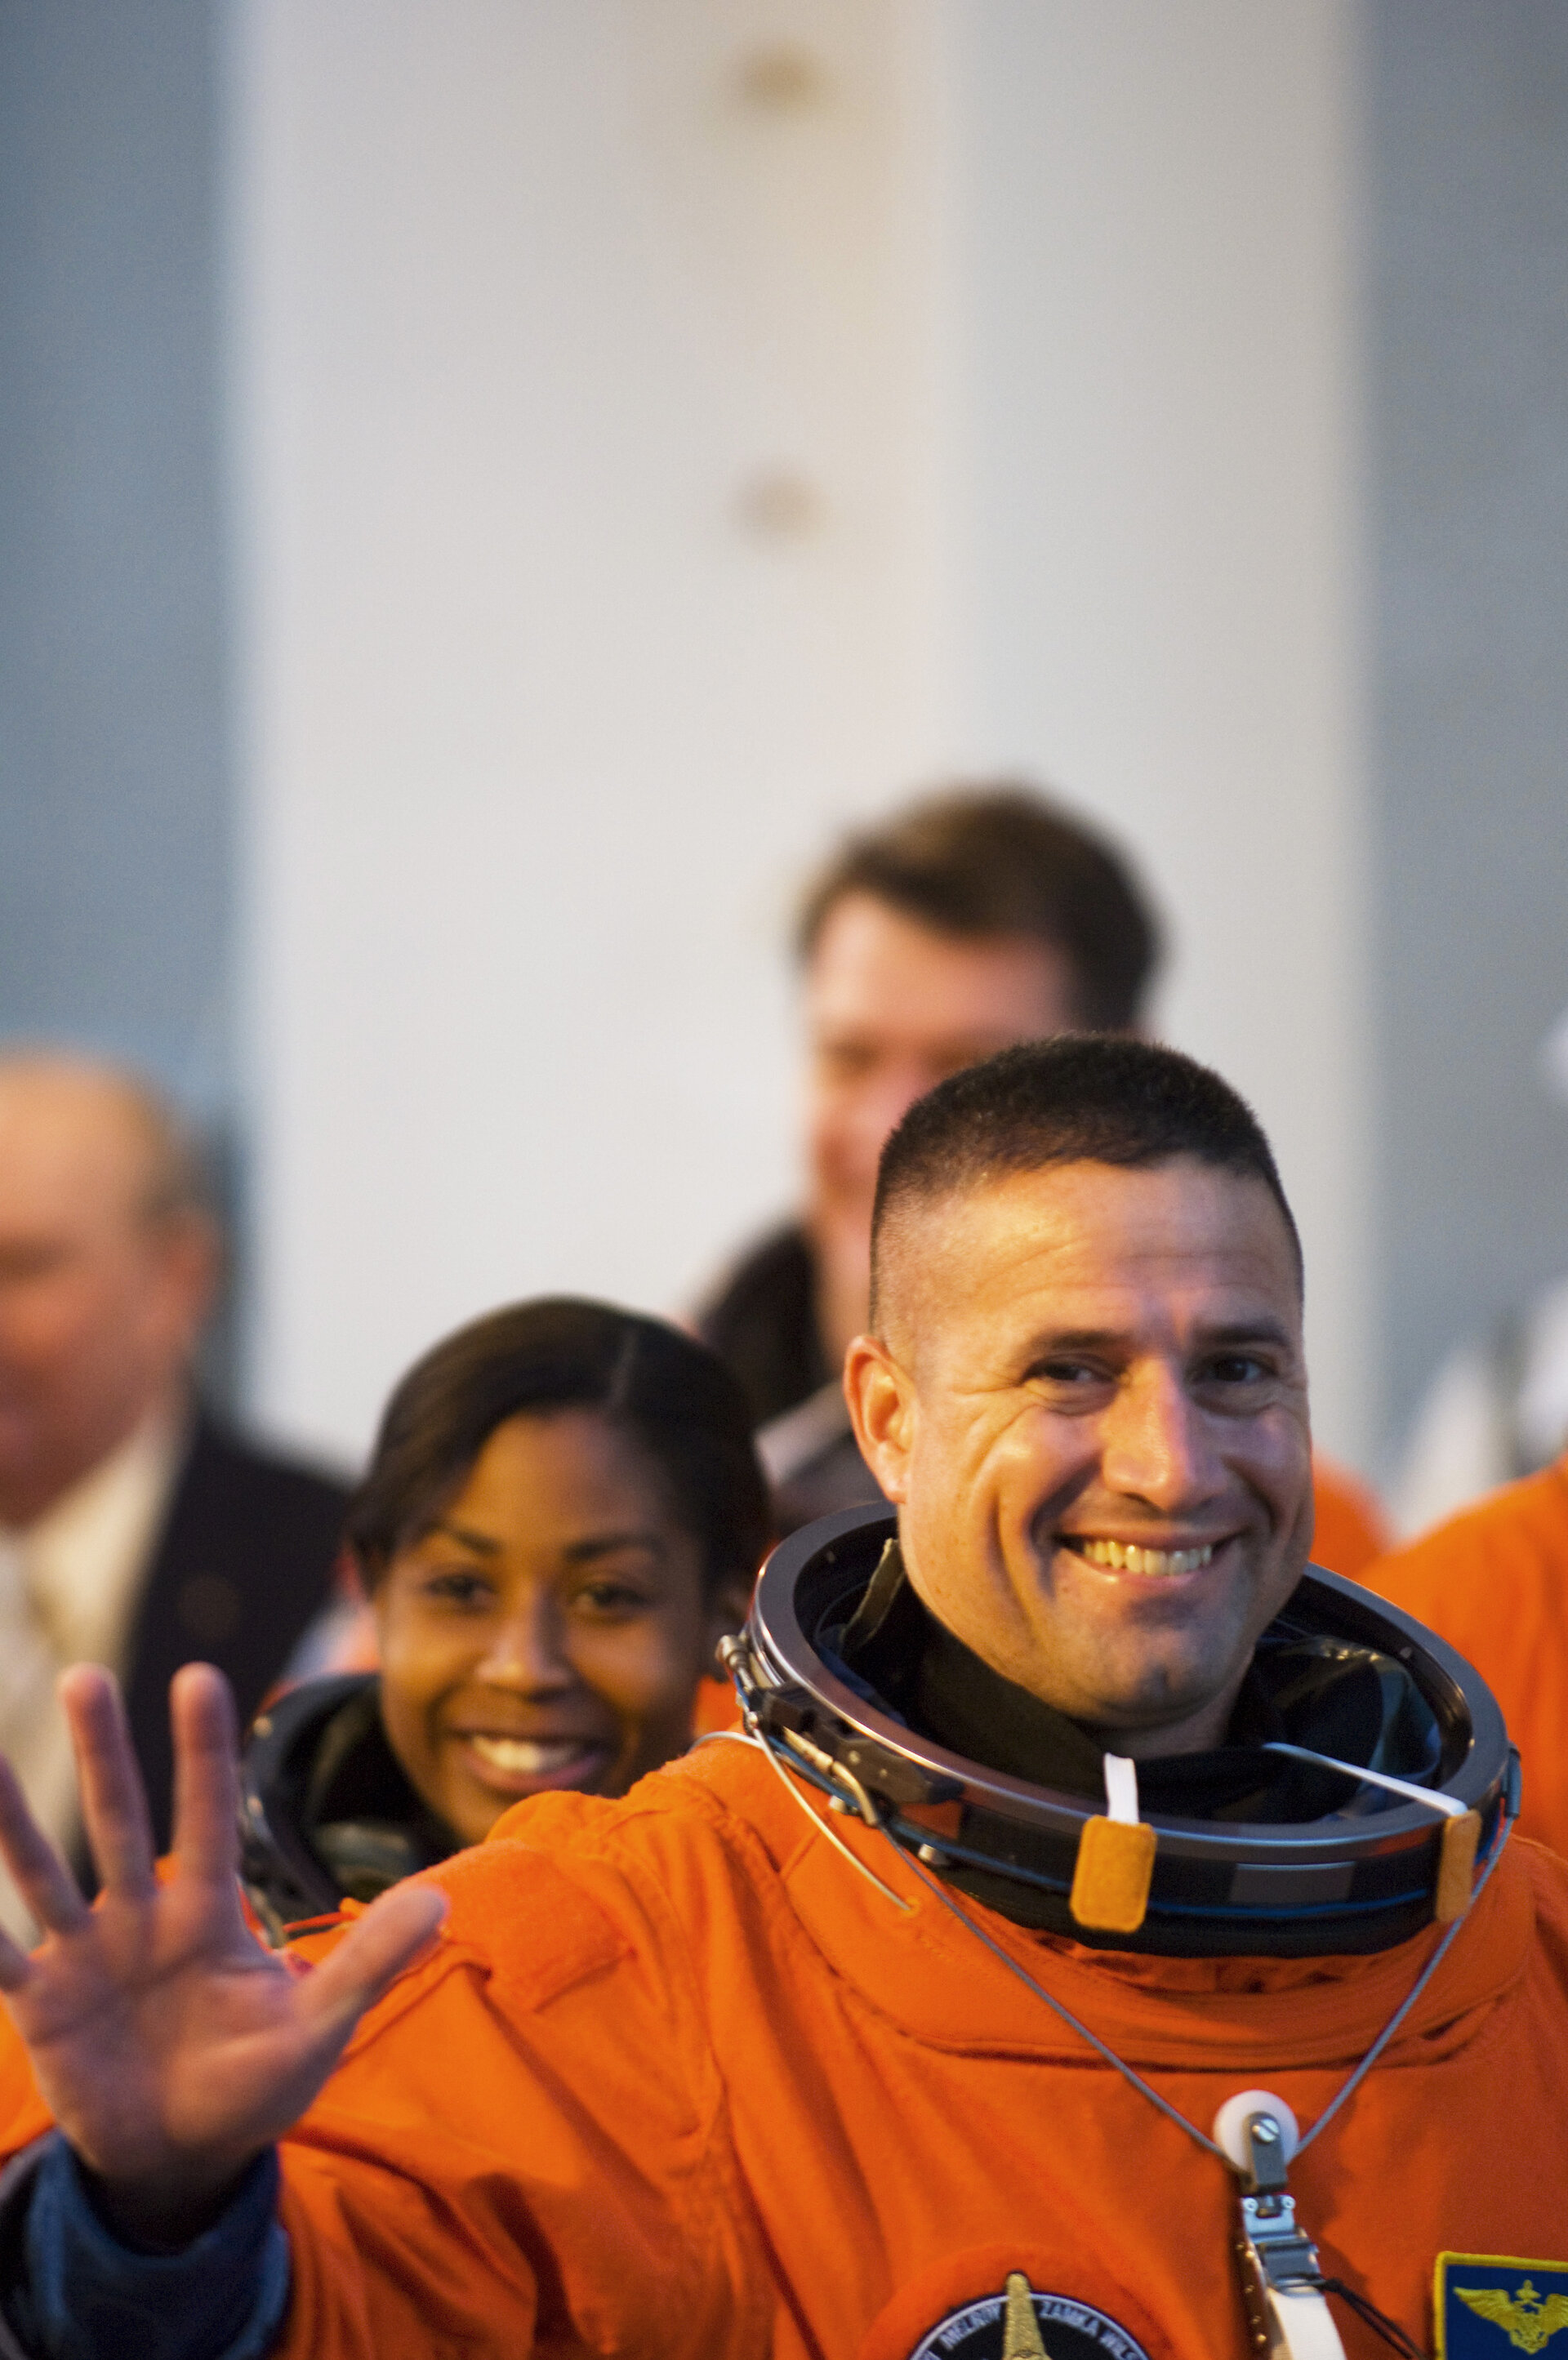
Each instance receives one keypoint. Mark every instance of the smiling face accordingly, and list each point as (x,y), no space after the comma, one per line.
(1089,1403)
(551,1629)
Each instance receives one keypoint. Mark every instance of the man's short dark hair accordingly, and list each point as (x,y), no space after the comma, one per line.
(983,861)
(1080,1098)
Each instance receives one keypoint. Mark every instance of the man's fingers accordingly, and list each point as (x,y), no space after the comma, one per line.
(46,1885)
(371,1955)
(113,1802)
(207,1773)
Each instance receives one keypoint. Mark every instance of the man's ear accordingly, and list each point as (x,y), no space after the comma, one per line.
(882,1410)
(188,1271)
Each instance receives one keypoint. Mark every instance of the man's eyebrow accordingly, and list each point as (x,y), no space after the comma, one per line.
(981,1037)
(1080,1339)
(1261,1330)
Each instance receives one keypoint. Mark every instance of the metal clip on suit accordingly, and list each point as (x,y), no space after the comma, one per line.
(1287,2317)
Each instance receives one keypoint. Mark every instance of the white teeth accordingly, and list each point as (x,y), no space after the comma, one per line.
(1122,1557)
(524,1757)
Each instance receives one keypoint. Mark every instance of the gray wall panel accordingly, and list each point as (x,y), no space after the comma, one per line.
(1467,411)
(115,826)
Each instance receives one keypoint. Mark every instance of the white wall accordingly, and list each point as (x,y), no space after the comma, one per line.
(545,719)
(1156,282)
(1041,306)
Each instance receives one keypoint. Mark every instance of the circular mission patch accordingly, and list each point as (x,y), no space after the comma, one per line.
(1020,2324)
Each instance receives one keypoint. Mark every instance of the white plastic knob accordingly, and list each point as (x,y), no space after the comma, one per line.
(1229,2133)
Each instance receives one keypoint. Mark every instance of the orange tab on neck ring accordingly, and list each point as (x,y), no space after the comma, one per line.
(1115,1858)
(1456,1866)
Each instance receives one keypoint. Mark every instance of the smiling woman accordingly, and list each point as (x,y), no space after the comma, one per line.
(561,1518)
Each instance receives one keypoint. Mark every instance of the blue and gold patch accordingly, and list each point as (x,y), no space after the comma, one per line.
(1487,2306)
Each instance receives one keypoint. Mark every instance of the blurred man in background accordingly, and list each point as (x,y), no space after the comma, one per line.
(966,921)
(132,1530)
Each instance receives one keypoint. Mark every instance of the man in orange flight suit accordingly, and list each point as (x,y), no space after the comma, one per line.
(1494,1581)
(716,2071)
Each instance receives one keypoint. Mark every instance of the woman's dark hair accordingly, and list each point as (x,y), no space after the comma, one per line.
(680,1403)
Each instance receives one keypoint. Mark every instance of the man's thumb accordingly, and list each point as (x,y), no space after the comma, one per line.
(375,1950)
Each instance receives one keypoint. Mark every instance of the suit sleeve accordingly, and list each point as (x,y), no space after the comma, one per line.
(527,2148)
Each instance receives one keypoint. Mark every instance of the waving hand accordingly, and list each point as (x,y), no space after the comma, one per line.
(171,2047)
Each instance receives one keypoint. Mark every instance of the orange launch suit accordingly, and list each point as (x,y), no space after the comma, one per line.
(1348,1529)
(677,2084)
(1493,1582)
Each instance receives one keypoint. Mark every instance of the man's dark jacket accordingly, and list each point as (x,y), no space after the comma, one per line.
(243,1564)
(763,1324)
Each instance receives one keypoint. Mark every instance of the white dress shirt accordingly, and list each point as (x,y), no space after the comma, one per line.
(1496,1409)
(69,1583)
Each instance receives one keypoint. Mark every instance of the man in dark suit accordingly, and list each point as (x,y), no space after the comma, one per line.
(131,1526)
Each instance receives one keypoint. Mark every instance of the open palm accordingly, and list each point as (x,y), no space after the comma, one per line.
(169,2046)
